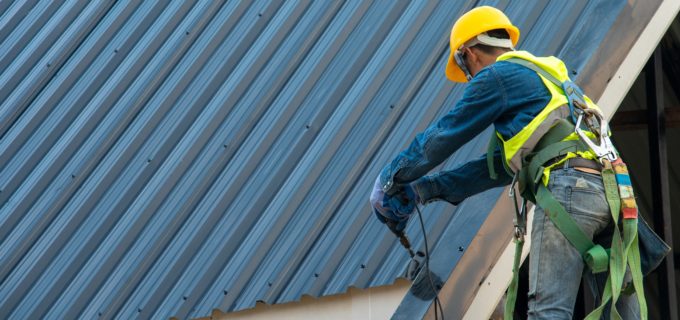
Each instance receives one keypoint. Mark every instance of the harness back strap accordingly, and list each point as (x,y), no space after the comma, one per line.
(537,69)
(571,90)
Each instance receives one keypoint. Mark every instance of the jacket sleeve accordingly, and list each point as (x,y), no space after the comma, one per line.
(455,185)
(482,102)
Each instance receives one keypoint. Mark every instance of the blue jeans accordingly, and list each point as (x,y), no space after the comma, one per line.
(555,266)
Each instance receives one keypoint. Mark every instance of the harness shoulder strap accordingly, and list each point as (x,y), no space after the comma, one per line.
(574,95)
(539,70)
(491,148)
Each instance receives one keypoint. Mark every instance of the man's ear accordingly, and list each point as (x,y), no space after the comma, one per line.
(473,56)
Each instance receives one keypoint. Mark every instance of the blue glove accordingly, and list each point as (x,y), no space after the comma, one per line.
(394,210)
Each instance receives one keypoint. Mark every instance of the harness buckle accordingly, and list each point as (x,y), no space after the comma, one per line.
(519,233)
(520,221)
(595,122)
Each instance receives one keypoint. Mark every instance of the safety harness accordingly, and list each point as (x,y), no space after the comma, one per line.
(554,148)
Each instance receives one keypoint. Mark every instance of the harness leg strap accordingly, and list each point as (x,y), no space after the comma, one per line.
(595,256)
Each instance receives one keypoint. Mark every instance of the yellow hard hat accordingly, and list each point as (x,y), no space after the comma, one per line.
(471,24)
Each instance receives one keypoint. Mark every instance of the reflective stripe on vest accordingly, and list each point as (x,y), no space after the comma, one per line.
(521,144)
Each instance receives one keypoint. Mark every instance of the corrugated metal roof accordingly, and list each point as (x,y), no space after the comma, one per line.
(167,158)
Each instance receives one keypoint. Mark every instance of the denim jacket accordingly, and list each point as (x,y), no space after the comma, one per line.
(504,94)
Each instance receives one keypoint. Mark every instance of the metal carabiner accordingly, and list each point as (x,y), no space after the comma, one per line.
(511,193)
(604,148)
(520,222)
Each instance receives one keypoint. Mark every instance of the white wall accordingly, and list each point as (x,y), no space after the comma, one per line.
(370,304)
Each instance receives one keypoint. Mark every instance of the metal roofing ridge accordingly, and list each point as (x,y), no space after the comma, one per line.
(159,192)
(332,135)
(578,43)
(309,140)
(144,310)
(36,66)
(370,266)
(11,12)
(53,93)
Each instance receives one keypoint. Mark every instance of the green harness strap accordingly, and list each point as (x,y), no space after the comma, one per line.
(531,187)
(560,129)
(494,142)
(512,289)
(625,247)
(594,255)
(625,251)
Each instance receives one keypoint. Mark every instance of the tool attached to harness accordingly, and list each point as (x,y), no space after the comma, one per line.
(593,131)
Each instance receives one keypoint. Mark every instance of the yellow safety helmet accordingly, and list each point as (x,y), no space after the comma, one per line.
(473,23)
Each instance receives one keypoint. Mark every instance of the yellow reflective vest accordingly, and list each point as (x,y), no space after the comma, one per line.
(521,144)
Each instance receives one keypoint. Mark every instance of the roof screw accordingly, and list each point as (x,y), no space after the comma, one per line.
(187,32)
(148,160)
(307,126)
(269,284)
(225,145)
(99,314)
(259,14)
(391,106)
(139,310)
(316,275)
(73,175)
(115,50)
(363,266)
(461,249)
(573,71)
(225,292)
(49,64)
(184,298)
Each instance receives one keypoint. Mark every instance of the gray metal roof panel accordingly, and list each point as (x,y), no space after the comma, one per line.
(178,157)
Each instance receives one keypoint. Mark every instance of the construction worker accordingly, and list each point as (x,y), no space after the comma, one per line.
(525,98)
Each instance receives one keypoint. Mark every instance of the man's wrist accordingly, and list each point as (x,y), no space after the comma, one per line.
(423,189)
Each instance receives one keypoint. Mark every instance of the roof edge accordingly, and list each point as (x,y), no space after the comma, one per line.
(370,303)
(638,55)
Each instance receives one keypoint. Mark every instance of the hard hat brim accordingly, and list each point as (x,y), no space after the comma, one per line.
(453,71)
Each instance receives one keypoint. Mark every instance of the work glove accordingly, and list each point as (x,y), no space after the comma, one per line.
(394,210)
